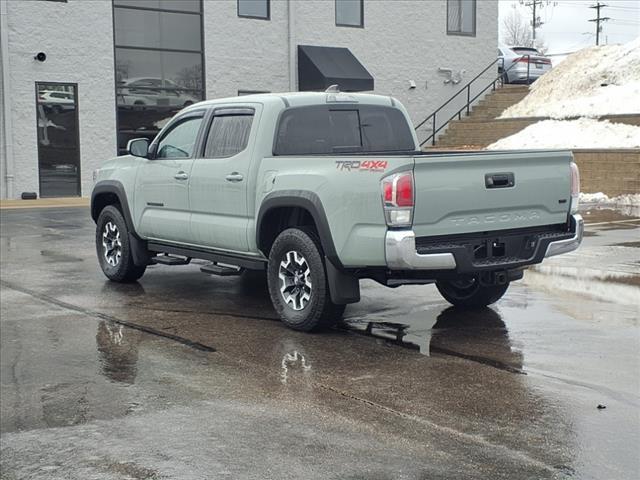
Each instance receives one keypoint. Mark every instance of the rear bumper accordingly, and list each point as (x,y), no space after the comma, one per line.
(569,244)
(460,254)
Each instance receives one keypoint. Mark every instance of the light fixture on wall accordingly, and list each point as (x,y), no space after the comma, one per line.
(451,77)
(40,56)
(412,84)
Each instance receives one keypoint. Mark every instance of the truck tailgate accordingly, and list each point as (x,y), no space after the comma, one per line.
(486,191)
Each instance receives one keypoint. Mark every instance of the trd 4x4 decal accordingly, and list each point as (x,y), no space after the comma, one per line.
(362,165)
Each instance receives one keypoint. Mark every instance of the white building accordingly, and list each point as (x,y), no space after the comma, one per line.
(81,77)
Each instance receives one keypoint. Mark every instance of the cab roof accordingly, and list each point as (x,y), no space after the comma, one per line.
(296,99)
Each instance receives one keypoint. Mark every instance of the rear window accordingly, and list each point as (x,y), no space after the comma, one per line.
(525,50)
(327,129)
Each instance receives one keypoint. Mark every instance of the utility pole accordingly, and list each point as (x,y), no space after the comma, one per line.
(598,20)
(535,21)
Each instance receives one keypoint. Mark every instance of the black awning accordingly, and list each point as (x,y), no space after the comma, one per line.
(321,67)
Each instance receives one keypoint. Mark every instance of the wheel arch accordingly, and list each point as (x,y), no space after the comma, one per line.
(293,203)
(111,192)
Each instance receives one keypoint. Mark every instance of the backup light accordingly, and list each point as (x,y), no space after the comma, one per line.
(575,187)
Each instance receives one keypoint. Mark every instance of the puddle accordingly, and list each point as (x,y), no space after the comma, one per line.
(479,336)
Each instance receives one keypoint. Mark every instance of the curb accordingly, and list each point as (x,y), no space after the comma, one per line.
(45,203)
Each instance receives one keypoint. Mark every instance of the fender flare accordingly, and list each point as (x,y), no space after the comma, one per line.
(116,188)
(139,250)
(310,202)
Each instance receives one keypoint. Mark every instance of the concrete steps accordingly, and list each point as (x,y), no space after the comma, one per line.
(480,128)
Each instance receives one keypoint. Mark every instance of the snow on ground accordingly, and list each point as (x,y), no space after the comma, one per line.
(580,133)
(625,204)
(592,82)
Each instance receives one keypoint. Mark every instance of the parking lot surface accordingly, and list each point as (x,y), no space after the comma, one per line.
(188,376)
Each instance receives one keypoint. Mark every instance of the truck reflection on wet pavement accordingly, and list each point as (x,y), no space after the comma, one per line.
(188,376)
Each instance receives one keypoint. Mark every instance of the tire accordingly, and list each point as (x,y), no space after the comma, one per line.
(468,293)
(505,78)
(296,259)
(113,248)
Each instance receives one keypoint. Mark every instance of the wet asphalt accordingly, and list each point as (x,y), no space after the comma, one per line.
(188,376)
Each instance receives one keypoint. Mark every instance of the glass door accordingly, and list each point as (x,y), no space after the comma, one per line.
(58,142)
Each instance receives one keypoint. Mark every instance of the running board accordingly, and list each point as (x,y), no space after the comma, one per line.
(221,270)
(169,260)
(248,262)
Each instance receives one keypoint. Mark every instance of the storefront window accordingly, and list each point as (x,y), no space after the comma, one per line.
(159,58)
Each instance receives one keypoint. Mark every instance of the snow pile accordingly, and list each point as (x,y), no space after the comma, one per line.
(581,133)
(593,82)
(626,204)
(600,197)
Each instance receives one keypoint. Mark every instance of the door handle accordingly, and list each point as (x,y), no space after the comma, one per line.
(181,175)
(234,177)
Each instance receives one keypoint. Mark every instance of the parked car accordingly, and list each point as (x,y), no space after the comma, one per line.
(322,190)
(152,91)
(56,100)
(522,64)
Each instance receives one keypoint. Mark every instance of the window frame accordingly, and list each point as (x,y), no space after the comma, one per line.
(461,33)
(76,133)
(229,111)
(335,7)
(255,17)
(153,148)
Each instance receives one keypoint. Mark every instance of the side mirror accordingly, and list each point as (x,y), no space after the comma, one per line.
(138,147)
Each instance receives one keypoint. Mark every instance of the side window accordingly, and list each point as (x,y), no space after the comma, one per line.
(228,135)
(181,139)
(461,17)
(349,13)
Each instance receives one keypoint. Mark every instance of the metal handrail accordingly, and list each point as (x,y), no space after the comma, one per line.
(467,88)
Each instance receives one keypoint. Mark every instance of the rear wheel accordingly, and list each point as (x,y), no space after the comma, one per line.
(469,293)
(298,282)
(113,248)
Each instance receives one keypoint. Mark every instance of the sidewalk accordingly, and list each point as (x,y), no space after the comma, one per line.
(45,203)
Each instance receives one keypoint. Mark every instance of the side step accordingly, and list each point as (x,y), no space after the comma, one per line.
(169,260)
(221,270)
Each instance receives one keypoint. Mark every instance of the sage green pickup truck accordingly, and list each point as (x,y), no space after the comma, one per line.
(321,190)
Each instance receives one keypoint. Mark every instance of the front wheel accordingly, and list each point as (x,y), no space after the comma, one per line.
(298,282)
(469,293)
(113,247)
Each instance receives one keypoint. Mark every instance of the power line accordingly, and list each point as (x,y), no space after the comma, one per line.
(536,21)
(598,20)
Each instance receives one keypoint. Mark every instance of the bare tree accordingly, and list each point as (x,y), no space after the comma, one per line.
(516,31)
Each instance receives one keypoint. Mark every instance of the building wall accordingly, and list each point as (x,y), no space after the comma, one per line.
(78,39)
(402,40)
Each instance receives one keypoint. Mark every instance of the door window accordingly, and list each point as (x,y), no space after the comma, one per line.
(58,143)
(228,135)
(180,141)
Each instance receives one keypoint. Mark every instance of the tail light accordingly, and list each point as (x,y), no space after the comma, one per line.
(397,199)
(575,187)
(523,60)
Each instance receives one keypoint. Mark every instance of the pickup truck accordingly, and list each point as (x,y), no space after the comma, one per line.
(321,190)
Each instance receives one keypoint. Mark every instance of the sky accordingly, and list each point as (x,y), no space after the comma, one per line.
(566,27)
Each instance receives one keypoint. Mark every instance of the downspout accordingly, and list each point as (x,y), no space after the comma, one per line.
(7,134)
(292,45)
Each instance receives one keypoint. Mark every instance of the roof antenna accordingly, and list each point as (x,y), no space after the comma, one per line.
(333,89)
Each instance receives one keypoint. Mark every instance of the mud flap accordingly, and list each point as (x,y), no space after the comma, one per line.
(344,288)
(139,251)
